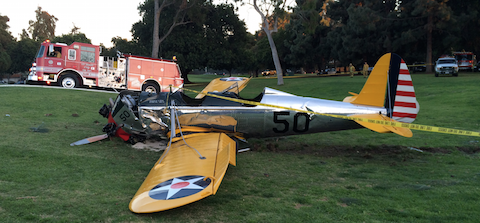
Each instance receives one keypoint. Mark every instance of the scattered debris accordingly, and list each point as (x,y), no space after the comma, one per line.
(39,128)
(75,115)
(243,150)
(7,115)
(27,197)
(48,115)
(415,149)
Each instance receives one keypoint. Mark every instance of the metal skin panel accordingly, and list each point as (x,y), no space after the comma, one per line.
(124,116)
(254,121)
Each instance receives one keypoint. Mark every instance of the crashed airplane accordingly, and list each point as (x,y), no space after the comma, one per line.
(204,132)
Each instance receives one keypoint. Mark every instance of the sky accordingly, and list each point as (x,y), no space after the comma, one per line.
(100,20)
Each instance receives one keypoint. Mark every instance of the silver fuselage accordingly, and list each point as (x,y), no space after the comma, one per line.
(253,121)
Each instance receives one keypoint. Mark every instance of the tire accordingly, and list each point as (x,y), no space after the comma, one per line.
(151,87)
(69,81)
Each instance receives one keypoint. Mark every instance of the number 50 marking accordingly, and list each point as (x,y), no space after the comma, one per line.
(286,124)
(124,115)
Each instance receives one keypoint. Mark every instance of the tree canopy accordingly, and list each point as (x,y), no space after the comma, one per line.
(6,42)
(44,25)
(310,36)
(354,31)
(216,39)
(74,36)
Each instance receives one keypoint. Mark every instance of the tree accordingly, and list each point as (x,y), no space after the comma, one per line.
(6,42)
(131,47)
(44,26)
(249,62)
(180,8)
(307,33)
(438,15)
(215,39)
(23,53)
(466,15)
(266,28)
(226,37)
(362,31)
(73,36)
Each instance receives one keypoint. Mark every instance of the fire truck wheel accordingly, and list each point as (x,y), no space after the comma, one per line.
(151,87)
(69,81)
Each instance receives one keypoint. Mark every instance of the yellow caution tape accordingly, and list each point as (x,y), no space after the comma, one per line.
(376,121)
(420,65)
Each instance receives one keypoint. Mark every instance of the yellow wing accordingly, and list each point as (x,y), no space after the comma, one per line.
(183,177)
(230,84)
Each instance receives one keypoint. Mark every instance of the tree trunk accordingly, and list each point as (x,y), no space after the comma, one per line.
(276,60)
(185,75)
(156,38)
(429,43)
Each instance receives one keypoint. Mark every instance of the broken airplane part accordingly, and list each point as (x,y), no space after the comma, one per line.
(194,164)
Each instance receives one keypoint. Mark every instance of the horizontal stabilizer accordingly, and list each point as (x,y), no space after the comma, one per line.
(182,176)
(382,128)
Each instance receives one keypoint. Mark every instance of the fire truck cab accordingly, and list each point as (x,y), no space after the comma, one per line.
(80,64)
(466,60)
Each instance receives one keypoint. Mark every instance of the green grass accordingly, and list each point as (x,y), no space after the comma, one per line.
(347,176)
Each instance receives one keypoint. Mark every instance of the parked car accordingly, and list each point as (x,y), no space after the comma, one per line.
(446,66)
(327,71)
(477,67)
(269,72)
(419,67)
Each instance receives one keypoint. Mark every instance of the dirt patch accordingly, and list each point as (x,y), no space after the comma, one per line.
(298,206)
(364,151)
(152,145)
(469,150)
(435,150)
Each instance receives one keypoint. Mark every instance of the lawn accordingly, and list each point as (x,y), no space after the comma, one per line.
(347,176)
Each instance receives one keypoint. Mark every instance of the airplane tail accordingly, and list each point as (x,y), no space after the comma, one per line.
(390,86)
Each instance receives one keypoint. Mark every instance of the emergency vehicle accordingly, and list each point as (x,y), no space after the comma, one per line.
(466,60)
(80,64)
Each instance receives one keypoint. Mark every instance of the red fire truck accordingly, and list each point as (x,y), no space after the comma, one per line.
(465,60)
(80,64)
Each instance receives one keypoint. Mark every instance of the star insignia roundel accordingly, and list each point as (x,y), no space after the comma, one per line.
(179,187)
